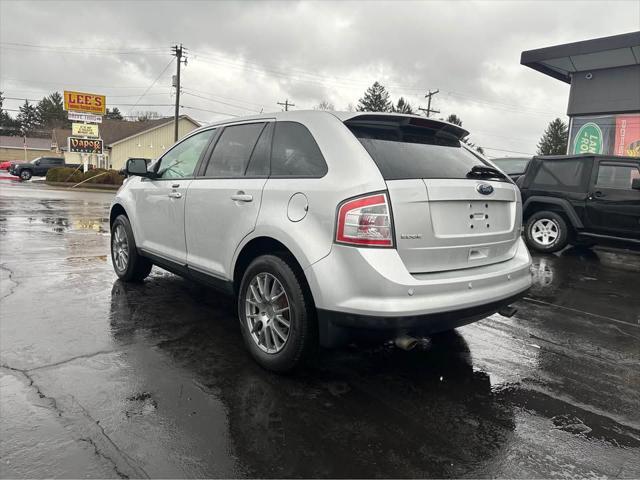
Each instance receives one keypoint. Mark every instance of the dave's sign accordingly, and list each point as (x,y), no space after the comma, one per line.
(85,145)
(85,102)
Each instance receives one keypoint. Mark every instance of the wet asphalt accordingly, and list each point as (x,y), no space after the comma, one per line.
(103,379)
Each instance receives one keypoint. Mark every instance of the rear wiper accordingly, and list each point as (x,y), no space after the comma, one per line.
(484,171)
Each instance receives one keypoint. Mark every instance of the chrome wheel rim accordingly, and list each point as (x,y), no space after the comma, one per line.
(545,231)
(267,313)
(120,248)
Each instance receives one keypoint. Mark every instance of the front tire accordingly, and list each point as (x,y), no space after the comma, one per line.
(546,232)
(277,315)
(26,175)
(127,263)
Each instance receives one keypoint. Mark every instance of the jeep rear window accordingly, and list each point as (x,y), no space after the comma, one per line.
(408,152)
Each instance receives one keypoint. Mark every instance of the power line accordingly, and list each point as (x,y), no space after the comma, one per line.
(508,151)
(221,102)
(150,86)
(210,111)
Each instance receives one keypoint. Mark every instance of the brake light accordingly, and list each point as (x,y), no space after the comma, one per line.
(365,220)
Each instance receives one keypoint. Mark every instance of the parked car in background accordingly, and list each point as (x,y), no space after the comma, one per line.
(39,167)
(327,226)
(512,166)
(581,200)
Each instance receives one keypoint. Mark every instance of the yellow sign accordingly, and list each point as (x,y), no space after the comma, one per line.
(85,102)
(84,130)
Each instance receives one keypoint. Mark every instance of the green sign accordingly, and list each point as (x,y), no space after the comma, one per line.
(588,139)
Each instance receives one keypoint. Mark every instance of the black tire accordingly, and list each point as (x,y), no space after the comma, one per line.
(557,235)
(136,268)
(26,175)
(302,342)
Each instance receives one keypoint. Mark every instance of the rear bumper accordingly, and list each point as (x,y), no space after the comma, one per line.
(371,289)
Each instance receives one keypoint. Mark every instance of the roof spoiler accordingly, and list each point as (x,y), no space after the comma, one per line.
(408,120)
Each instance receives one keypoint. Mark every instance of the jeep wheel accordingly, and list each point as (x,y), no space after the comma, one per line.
(277,317)
(546,232)
(128,265)
(25,175)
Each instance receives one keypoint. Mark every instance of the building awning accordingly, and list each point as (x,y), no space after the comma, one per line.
(560,61)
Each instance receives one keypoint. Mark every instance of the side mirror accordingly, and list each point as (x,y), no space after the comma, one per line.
(635,183)
(37,162)
(138,166)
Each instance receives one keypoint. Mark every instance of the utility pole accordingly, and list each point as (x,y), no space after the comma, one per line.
(428,110)
(180,53)
(286,105)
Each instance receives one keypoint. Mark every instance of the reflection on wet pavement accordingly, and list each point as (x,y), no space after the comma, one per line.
(105,379)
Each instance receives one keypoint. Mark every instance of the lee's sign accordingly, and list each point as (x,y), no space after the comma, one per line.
(85,102)
(85,145)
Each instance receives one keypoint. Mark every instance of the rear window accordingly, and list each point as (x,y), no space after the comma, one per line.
(408,152)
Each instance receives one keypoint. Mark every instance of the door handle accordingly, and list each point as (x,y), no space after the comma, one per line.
(175,195)
(598,193)
(175,185)
(242,197)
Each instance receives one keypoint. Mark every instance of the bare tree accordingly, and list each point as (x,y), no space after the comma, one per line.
(325,105)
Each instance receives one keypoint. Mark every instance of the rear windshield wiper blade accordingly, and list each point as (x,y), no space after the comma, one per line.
(484,171)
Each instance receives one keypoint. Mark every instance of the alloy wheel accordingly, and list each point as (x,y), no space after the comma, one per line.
(545,231)
(267,313)
(120,248)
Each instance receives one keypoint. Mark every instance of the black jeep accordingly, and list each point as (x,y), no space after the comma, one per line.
(581,200)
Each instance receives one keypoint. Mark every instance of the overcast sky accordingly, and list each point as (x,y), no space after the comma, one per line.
(245,57)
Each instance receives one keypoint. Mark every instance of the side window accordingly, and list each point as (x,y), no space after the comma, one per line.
(233,150)
(181,160)
(259,161)
(295,153)
(563,174)
(616,176)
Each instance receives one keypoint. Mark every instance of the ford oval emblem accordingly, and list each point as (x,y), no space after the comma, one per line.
(484,189)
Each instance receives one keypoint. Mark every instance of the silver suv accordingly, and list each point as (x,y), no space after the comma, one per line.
(325,225)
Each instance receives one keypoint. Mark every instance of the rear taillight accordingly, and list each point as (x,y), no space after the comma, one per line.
(365,220)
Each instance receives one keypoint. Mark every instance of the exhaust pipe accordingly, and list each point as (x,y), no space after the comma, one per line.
(405,342)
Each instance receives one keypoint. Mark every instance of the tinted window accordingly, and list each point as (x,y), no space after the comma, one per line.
(233,150)
(562,174)
(259,162)
(616,176)
(181,160)
(410,152)
(295,153)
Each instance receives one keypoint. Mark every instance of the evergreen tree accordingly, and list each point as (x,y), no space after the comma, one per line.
(27,118)
(113,114)
(50,111)
(456,120)
(402,106)
(453,118)
(555,139)
(8,125)
(376,99)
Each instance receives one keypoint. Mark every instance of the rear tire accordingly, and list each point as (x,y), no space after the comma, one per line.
(546,232)
(272,294)
(127,263)
(26,175)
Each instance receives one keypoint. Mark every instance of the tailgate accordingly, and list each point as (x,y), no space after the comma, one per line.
(447,224)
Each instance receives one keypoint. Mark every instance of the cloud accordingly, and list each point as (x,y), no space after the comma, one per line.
(259,53)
